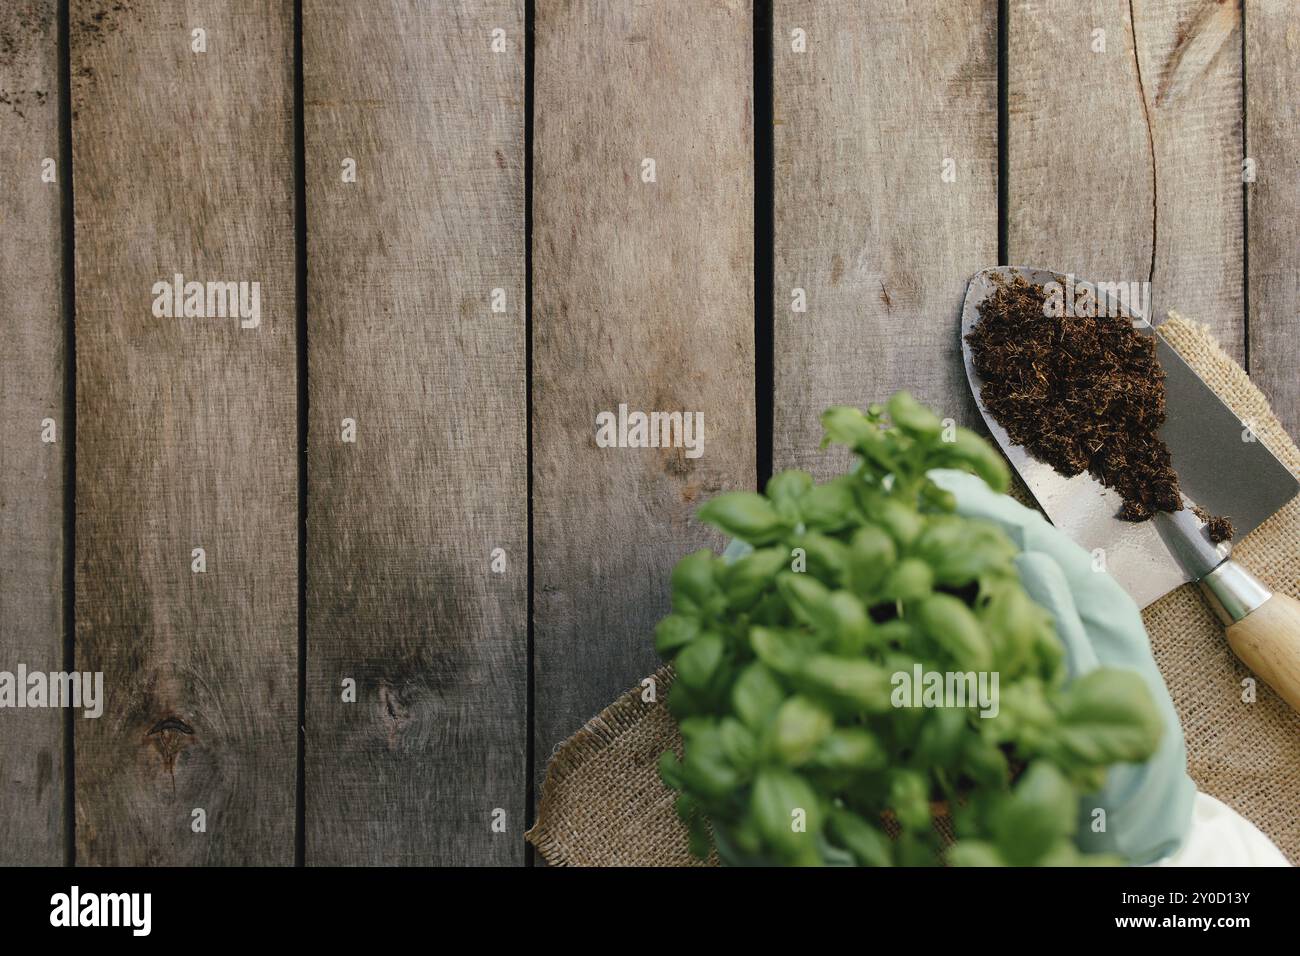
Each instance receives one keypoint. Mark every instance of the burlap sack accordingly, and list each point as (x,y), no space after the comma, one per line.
(604,805)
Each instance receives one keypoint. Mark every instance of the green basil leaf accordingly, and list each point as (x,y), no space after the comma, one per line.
(850,748)
(985,763)
(909,580)
(1041,811)
(806,596)
(744,515)
(953,626)
(901,521)
(934,498)
(1108,716)
(698,661)
(867,844)
(700,842)
(830,507)
(972,453)
(1015,626)
(705,768)
(789,485)
(828,558)
(781,650)
(786,811)
(670,770)
(845,623)
(738,743)
(858,683)
(756,695)
(687,807)
(974,853)
(942,733)
(845,425)
(912,417)
(871,555)
(674,632)
(749,577)
(960,550)
(694,581)
(801,726)
(909,798)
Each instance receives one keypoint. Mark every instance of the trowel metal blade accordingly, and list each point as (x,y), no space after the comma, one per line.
(1219,466)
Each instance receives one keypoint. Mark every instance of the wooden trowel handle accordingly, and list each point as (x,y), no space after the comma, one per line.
(1263,627)
(1268,642)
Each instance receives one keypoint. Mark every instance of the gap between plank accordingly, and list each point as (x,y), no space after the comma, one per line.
(764,243)
(530,758)
(1245,208)
(1004,126)
(69,301)
(300,289)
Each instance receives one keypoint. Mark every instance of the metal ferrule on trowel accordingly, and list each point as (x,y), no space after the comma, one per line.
(1230,590)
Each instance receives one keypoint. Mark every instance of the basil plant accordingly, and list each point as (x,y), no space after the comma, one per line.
(801,744)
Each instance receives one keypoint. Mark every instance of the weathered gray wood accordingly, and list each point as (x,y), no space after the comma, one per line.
(1190,52)
(866,224)
(186,434)
(1125,165)
(642,294)
(1273,203)
(403,523)
(31,390)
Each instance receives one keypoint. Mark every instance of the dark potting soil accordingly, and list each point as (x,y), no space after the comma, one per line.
(1218,528)
(1081,393)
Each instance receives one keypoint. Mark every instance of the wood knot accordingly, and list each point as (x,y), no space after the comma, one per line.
(172,724)
(169,738)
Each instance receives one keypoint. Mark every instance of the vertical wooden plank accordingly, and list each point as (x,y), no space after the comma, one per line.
(642,296)
(1273,203)
(186,433)
(885,143)
(1190,54)
(404,265)
(31,392)
(1124,150)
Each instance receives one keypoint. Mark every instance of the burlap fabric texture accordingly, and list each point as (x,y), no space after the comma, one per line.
(604,805)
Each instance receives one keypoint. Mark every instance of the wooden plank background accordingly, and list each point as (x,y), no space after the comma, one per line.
(1124,150)
(403,524)
(1273,203)
(865,222)
(1121,157)
(186,434)
(643,295)
(31,391)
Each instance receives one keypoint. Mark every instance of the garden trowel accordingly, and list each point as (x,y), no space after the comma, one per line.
(1222,468)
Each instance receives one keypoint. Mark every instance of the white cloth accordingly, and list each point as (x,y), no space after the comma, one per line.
(1220,836)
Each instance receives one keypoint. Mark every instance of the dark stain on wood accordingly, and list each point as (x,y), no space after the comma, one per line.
(22,28)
